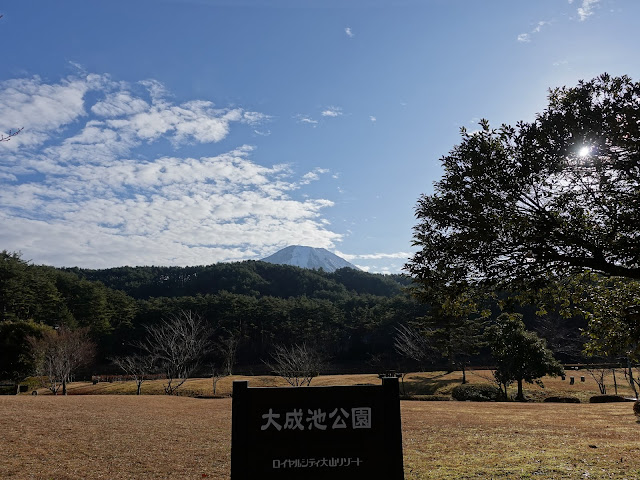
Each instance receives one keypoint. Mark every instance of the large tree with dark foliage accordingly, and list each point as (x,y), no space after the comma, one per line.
(520,355)
(559,194)
(454,324)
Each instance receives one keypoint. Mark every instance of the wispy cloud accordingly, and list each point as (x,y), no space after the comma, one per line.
(586,9)
(373,256)
(305,119)
(79,188)
(526,37)
(331,112)
(349,33)
(373,119)
(313,175)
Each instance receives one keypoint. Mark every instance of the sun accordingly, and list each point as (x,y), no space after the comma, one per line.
(584,151)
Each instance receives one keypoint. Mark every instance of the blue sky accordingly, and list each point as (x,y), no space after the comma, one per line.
(189,132)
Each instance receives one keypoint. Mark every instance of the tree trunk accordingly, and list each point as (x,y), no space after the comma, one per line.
(17,388)
(520,396)
(64,386)
(450,360)
(632,381)
(615,383)
(464,374)
(139,388)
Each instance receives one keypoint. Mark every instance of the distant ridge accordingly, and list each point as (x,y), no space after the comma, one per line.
(309,257)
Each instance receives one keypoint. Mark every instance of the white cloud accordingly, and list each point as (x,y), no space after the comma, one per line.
(373,256)
(526,37)
(126,119)
(539,26)
(118,104)
(92,196)
(312,176)
(197,120)
(586,10)
(41,108)
(255,118)
(332,112)
(306,119)
(373,119)
(349,33)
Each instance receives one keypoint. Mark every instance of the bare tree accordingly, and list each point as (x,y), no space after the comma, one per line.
(634,382)
(58,354)
(140,367)
(12,133)
(178,344)
(412,344)
(297,364)
(216,376)
(599,373)
(228,348)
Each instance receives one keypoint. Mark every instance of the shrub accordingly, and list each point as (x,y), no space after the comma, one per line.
(7,390)
(607,399)
(476,393)
(426,398)
(561,400)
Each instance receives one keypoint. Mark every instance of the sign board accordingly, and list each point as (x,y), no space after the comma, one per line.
(317,432)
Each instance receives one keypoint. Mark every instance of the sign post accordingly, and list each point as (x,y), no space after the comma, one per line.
(317,432)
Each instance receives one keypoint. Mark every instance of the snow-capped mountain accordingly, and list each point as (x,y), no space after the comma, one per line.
(308,257)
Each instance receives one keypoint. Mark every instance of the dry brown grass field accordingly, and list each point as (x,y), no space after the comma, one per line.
(426,383)
(160,437)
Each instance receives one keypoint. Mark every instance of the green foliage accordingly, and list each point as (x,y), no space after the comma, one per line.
(426,398)
(27,292)
(349,315)
(251,278)
(519,354)
(556,399)
(614,318)
(607,399)
(521,204)
(53,297)
(609,305)
(476,393)
(16,361)
(455,320)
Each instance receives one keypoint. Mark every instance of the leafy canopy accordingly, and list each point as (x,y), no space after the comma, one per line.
(559,194)
(520,355)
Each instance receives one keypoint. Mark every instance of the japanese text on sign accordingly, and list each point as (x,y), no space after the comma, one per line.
(318,419)
(316,463)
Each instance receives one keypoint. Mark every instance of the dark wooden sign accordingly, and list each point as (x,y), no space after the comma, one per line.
(317,432)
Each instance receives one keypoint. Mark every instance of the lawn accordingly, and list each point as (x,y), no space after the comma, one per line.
(160,437)
(425,383)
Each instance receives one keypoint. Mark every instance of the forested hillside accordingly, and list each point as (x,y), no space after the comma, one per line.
(252,278)
(349,315)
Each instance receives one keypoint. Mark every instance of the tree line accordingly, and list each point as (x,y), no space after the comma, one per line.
(250,308)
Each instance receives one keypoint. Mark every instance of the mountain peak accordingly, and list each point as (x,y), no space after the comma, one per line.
(308,257)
